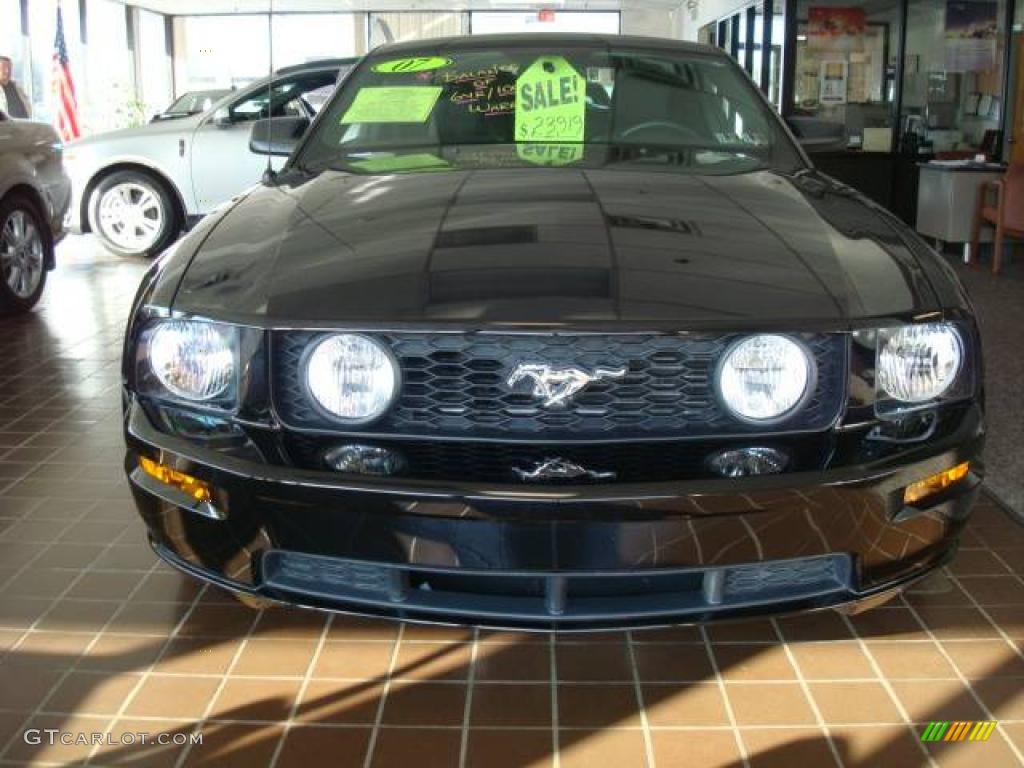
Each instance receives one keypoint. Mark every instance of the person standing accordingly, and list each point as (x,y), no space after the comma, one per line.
(13,100)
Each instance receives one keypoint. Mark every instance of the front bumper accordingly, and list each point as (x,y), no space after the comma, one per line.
(571,557)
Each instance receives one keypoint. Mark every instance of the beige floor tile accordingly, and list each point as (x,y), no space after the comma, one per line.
(604,662)
(522,662)
(911,661)
(927,700)
(509,748)
(423,748)
(787,747)
(338,703)
(266,699)
(586,749)
(510,704)
(230,745)
(695,749)
(172,697)
(94,693)
(597,706)
(693,704)
(855,702)
(434,661)
(287,656)
(844,660)
(423,703)
(981,659)
(737,661)
(671,662)
(356,660)
(769,704)
(198,655)
(305,747)
(122,653)
(51,649)
(871,745)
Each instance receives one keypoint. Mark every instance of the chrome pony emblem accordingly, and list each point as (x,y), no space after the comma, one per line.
(559,469)
(557,386)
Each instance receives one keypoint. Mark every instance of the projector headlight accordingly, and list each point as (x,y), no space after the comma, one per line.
(918,363)
(194,360)
(351,377)
(765,378)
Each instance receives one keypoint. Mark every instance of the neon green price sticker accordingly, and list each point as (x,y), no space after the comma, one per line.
(393,104)
(421,161)
(417,64)
(550,102)
(549,154)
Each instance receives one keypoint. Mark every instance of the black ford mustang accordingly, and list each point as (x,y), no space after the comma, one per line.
(552,331)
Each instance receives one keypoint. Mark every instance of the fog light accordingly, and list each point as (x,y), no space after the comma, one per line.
(744,462)
(935,483)
(365,460)
(192,486)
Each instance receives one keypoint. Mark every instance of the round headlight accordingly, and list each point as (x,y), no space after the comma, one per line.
(193,360)
(352,377)
(917,363)
(763,378)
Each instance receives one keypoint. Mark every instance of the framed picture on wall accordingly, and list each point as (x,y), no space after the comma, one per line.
(833,79)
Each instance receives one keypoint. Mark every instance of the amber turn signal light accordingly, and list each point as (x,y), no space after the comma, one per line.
(192,486)
(935,483)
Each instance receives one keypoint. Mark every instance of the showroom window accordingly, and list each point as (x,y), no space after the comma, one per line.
(302,37)
(220,51)
(412,25)
(745,35)
(953,77)
(42,26)
(109,89)
(12,42)
(155,64)
(233,51)
(846,67)
(500,22)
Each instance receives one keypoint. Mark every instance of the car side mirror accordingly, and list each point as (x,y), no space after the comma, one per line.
(222,118)
(277,135)
(816,135)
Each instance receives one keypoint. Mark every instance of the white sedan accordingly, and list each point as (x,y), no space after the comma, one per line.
(138,188)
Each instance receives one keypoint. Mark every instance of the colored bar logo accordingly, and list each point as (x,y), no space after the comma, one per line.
(958,730)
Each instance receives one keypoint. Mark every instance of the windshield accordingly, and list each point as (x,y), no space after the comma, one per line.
(195,102)
(568,98)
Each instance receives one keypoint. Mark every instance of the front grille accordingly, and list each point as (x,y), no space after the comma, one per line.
(455,386)
(497,462)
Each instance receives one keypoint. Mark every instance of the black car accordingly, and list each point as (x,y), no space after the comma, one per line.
(547,331)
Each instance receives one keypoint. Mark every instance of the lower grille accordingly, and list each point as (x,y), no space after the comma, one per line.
(568,598)
(456,386)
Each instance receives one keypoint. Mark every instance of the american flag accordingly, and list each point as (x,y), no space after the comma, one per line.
(64,86)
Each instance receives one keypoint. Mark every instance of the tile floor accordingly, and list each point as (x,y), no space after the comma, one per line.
(97,637)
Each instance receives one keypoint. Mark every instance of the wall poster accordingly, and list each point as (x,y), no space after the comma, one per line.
(972,29)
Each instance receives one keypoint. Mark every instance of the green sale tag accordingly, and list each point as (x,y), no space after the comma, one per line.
(419,161)
(393,104)
(549,154)
(550,102)
(418,64)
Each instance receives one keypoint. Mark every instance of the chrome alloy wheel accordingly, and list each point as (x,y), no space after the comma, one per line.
(131,216)
(21,254)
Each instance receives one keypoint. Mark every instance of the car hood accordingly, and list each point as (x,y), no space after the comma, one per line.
(527,247)
(159,128)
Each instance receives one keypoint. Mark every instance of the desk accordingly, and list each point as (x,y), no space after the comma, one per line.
(946,199)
